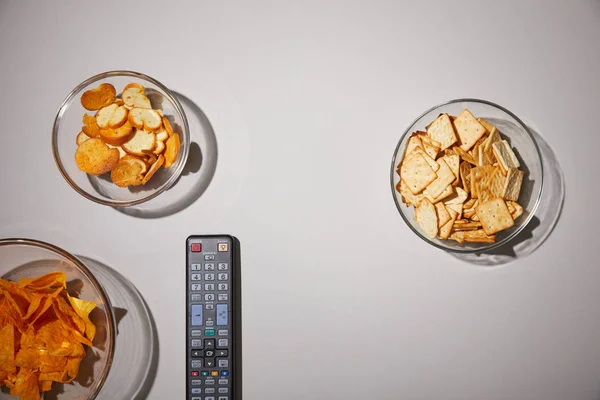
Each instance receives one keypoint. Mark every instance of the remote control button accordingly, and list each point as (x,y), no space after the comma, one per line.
(209,343)
(196,277)
(223,296)
(222,363)
(196,382)
(224,373)
(195,267)
(223,332)
(223,276)
(194,373)
(196,343)
(209,382)
(210,323)
(223,381)
(204,373)
(209,390)
(196,390)
(223,398)
(223,390)
(209,277)
(223,286)
(196,247)
(209,297)
(209,362)
(196,398)
(209,257)
(196,363)
(210,306)
(222,343)
(222,314)
(209,266)
(195,287)
(209,332)
(196,333)
(196,354)
(223,266)
(209,353)
(209,398)
(222,353)
(196,297)
(197,315)
(209,286)
(214,373)
(223,247)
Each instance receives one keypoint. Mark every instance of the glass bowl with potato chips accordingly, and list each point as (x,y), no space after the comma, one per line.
(57,328)
(467,176)
(120,138)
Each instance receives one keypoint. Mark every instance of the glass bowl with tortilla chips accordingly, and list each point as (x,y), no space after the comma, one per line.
(57,328)
(467,176)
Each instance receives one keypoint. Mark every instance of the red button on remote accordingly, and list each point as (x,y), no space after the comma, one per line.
(196,247)
(195,373)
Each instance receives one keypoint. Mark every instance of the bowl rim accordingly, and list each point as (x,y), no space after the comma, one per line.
(516,231)
(118,203)
(112,326)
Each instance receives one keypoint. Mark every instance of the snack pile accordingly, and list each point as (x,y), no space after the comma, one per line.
(43,331)
(462,178)
(125,137)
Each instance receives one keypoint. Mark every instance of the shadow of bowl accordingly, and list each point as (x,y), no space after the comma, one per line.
(543,222)
(137,346)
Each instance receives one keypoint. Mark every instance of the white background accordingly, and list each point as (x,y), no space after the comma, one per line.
(307,101)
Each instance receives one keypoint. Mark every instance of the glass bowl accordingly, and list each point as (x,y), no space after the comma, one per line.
(24,258)
(525,147)
(101,189)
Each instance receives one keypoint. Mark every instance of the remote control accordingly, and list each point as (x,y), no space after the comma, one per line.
(213,330)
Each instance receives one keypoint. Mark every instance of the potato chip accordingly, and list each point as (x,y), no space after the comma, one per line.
(47,344)
(83,308)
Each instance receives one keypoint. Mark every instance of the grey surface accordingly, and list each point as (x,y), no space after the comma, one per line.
(307,101)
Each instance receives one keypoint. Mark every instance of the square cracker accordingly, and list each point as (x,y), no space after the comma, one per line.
(413,142)
(469,130)
(447,228)
(442,213)
(432,163)
(445,177)
(454,164)
(407,197)
(512,184)
(488,127)
(417,173)
(442,131)
(447,192)
(505,155)
(494,216)
(427,218)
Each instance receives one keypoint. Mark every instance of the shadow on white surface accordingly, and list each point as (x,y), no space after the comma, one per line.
(543,222)
(197,173)
(137,350)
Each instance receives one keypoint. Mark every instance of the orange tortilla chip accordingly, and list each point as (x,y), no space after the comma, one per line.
(45,386)
(73,367)
(7,350)
(67,315)
(83,309)
(26,385)
(48,281)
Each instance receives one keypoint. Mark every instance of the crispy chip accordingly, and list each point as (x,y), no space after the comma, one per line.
(7,349)
(83,309)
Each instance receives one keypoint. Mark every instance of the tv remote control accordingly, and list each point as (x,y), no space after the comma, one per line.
(213,330)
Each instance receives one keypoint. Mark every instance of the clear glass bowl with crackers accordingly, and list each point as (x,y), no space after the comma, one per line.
(467,176)
(120,138)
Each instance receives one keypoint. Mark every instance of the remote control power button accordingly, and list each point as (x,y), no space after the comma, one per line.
(196,247)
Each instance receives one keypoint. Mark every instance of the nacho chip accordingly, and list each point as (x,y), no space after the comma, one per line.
(7,349)
(51,281)
(83,308)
